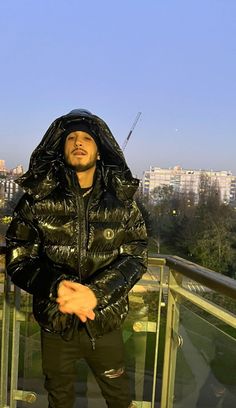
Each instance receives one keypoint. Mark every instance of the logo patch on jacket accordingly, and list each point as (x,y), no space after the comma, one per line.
(108,233)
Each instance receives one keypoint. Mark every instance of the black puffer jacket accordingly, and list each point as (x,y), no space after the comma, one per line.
(52,237)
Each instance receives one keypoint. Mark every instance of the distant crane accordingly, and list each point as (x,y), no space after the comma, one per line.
(131,130)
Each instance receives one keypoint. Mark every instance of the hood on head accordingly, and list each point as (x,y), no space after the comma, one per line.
(48,158)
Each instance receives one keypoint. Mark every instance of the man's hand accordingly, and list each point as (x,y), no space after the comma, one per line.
(74,298)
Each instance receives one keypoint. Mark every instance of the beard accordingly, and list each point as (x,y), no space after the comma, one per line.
(80,167)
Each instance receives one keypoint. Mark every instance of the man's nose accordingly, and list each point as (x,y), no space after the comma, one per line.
(78,142)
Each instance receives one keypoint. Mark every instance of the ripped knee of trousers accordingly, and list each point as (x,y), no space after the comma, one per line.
(114,373)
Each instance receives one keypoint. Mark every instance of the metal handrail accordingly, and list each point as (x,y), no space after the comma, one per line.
(213,280)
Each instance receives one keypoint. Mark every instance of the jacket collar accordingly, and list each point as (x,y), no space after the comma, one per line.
(110,178)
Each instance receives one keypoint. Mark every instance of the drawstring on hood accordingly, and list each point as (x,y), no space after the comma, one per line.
(47,160)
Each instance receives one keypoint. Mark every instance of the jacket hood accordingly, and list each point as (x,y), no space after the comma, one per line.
(47,160)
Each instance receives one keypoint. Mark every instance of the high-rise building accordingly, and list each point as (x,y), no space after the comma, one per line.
(183,180)
(3,170)
(11,188)
(8,189)
(2,194)
(18,170)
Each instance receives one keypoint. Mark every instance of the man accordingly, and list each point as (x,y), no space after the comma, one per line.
(77,242)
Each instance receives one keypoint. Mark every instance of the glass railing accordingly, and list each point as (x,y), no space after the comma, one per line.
(206,362)
(179,338)
(201,315)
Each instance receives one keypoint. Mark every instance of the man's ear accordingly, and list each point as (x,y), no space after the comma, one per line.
(98,156)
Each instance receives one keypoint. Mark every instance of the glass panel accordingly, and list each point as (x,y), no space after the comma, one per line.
(211,295)
(1,317)
(4,340)
(206,364)
(141,346)
(30,376)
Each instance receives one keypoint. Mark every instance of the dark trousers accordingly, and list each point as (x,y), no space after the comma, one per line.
(106,362)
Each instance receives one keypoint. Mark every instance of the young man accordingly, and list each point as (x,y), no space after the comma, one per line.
(77,242)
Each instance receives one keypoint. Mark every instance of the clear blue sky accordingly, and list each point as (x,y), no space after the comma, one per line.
(174,60)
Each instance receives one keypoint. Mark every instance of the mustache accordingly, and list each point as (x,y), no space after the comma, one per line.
(79,149)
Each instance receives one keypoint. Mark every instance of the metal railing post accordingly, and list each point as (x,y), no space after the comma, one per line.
(157,337)
(15,347)
(15,393)
(153,327)
(171,345)
(5,344)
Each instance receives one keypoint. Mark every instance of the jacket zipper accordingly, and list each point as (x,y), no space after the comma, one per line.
(78,208)
(87,222)
(92,339)
(79,244)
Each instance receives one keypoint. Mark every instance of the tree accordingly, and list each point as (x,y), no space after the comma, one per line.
(208,192)
(213,248)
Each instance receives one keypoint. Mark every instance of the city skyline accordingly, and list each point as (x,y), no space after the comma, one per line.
(174,61)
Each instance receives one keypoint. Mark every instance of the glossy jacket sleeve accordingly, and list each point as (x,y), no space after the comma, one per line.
(24,262)
(119,277)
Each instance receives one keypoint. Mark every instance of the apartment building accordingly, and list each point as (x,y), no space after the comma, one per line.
(18,170)
(8,187)
(188,180)
(3,170)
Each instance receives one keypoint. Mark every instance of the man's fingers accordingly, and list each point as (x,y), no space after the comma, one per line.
(72,285)
(63,290)
(73,296)
(88,315)
(82,317)
(63,299)
(64,309)
(91,315)
(81,313)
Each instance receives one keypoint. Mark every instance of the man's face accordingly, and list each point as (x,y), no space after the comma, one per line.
(80,151)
